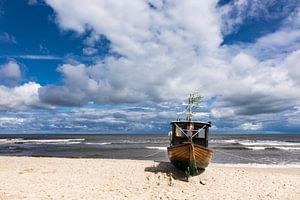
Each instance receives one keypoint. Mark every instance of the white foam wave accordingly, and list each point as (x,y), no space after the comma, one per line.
(141,141)
(41,141)
(270,147)
(256,142)
(10,140)
(267,142)
(53,141)
(224,141)
(159,148)
(256,148)
(288,148)
(98,143)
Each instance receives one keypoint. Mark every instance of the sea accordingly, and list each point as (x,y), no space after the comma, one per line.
(281,149)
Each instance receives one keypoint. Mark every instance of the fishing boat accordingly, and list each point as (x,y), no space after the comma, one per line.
(188,150)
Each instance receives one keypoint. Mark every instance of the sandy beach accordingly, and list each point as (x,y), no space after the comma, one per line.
(63,178)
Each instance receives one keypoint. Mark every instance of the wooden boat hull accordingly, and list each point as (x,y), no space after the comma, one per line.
(189,157)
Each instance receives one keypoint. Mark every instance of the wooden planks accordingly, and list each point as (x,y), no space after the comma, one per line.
(182,152)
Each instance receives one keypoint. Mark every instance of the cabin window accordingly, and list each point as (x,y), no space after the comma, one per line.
(200,130)
(201,133)
(179,129)
(194,129)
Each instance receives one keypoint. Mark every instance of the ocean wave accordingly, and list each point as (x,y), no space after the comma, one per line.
(261,148)
(41,141)
(158,148)
(229,147)
(255,142)
(10,140)
(224,141)
(98,143)
(289,148)
(272,148)
(267,142)
(140,142)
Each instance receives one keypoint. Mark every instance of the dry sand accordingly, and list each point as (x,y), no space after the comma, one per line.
(62,178)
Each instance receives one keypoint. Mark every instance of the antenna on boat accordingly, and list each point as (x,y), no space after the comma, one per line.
(193,100)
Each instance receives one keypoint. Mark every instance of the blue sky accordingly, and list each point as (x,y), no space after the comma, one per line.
(119,66)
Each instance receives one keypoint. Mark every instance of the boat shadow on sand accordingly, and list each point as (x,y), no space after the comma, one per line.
(169,170)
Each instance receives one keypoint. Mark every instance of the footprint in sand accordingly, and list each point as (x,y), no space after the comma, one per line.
(26,170)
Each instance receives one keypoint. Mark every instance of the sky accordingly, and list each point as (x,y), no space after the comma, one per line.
(96,66)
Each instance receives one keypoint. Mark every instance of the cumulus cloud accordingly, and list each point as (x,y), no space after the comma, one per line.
(12,121)
(14,97)
(267,75)
(163,50)
(266,87)
(236,13)
(158,49)
(292,63)
(94,118)
(251,126)
(284,40)
(89,51)
(167,49)
(20,97)
(293,116)
(10,73)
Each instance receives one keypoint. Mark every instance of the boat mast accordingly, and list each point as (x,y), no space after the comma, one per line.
(189,109)
(192,101)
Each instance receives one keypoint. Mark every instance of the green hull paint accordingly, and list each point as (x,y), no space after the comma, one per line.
(191,167)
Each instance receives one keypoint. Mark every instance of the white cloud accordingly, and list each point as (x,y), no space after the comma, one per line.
(165,51)
(20,97)
(159,48)
(17,97)
(89,51)
(103,118)
(280,39)
(220,112)
(255,88)
(169,50)
(10,73)
(10,70)
(292,66)
(38,57)
(133,25)
(285,39)
(8,121)
(277,44)
(236,13)
(251,126)
(293,117)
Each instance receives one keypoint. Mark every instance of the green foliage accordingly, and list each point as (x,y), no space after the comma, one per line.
(195,99)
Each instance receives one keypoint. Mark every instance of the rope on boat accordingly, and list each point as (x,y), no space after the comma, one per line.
(233,155)
(187,134)
(181,130)
(159,151)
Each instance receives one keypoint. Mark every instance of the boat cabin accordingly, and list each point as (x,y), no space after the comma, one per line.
(198,131)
